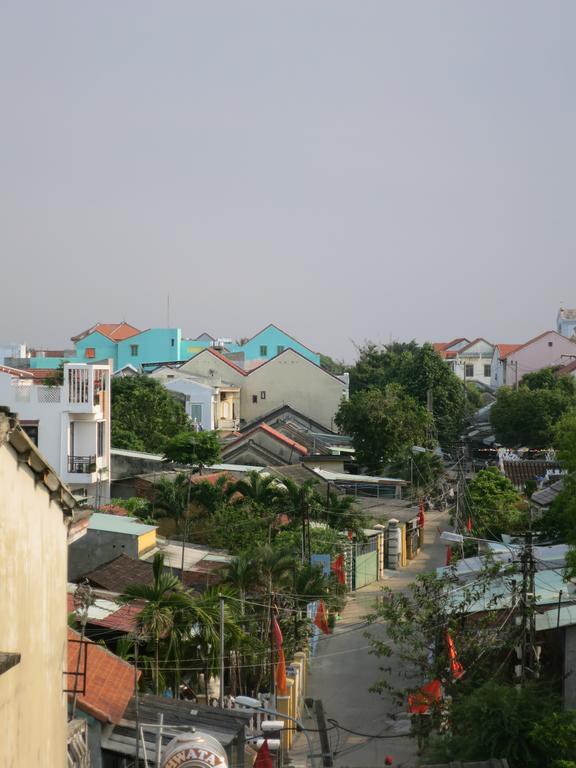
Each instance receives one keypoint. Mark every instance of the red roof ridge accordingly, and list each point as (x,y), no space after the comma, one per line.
(279,436)
(224,359)
(20,373)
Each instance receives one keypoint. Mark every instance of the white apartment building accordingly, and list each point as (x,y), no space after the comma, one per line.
(70,423)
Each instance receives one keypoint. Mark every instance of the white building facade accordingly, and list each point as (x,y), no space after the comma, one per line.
(70,424)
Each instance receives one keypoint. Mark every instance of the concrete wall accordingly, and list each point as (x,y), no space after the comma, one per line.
(213,371)
(290,379)
(154,345)
(104,348)
(96,548)
(272,341)
(33,609)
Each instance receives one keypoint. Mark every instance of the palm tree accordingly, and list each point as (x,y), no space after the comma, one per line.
(210,496)
(342,513)
(172,497)
(165,601)
(299,500)
(241,574)
(257,487)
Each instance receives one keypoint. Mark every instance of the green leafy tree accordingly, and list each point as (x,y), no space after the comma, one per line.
(384,424)
(144,415)
(495,505)
(528,416)
(198,449)
(422,374)
(548,378)
(559,522)
(565,440)
(235,527)
(336,367)
(496,720)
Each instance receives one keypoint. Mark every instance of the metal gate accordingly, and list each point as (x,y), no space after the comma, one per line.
(365,569)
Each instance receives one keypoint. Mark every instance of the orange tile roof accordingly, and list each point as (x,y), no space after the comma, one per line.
(109,680)
(114,331)
(517,347)
(277,435)
(506,349)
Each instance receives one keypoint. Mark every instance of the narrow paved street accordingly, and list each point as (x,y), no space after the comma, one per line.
(343,671)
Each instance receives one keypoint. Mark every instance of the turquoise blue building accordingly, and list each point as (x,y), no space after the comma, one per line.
(126,345)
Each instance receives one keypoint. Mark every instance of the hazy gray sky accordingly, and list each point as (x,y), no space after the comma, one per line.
(347,170)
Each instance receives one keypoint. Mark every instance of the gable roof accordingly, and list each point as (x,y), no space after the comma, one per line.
(113,331)
(273,433)
(289,351)
(475,341)
(519,472)
(506,349)
(108,614)
(212,351)
(109,682)
(277,328)
(518,347)
(570,368)
(287,410)
(28,454)
(120,573)
(19,373)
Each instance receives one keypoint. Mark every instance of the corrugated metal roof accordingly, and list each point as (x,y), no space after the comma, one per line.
(114,524)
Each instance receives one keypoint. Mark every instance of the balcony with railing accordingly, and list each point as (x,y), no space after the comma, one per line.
(84,465)
(86,387)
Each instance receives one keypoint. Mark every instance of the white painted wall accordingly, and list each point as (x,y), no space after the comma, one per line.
(49,406)
(195,394)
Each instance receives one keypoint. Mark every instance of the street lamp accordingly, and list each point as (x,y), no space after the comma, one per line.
(250,703)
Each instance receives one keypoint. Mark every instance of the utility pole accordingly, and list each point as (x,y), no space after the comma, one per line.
(527,651)
(272,653)
(221,651)
(514,364)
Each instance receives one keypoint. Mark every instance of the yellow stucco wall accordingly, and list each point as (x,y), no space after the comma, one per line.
(146,541)
(33,563)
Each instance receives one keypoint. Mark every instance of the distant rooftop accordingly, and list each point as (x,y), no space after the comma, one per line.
(115,524)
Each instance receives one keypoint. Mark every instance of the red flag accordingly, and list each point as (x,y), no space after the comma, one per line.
(263,757)
(455,667)
(448,555)
(321,619)
(277,634)
(281,686)
(338,568)
(469,524)
(419,703)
